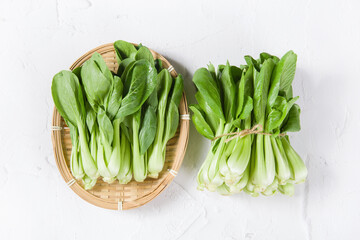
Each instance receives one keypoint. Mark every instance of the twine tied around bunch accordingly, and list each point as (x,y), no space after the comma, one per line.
(256,129)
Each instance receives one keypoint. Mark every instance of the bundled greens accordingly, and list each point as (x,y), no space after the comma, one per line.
(246,112)
(119,122)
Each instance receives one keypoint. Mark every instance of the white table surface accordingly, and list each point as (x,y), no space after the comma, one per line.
(38,38)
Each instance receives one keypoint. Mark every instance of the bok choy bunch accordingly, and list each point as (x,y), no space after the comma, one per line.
(246,112)
(118,121)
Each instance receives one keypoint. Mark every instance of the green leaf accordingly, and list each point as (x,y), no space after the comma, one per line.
(284,107)
(124,65)
(273,91)
(277,114)
(274,119)
(97,80)
(264,56)
(177,90)
(212,70)
(289,93)
(127,81)
(210,117)
(148,124)
(221,67)
(148,129)
(90,119)
(251,61)
(101,64)
(244,67)
(115,98)
(293,120)
(282,78)
(209,91)
(68,98)
(153,99)
(156,155)
(139,84)
(261,87)
(247,109)
(172,115)
(199,121)
(217,79)
(164,82)
(290,103)
(236,73)
(124,50)
(285,70)
(144,53)
(77,72)
(245,89)
(105,125)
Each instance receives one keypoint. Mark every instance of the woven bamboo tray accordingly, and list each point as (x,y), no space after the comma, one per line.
(117,196)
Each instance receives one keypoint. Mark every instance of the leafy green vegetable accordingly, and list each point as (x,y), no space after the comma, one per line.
(208,89)
(292,123)
(139,83)
(249,150)
(157,150)
(144,53)
(172,112)
(97,80)
(104,92)
(69,101)
(200,123)
(124,50)
(148,123)
(228,90)
(119,122)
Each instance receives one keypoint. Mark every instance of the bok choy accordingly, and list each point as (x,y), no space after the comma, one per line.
(246,112)
(119,122)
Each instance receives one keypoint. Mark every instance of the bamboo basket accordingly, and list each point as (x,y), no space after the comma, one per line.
(134,194)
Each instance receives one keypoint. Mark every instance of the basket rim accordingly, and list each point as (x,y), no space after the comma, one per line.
(157,189)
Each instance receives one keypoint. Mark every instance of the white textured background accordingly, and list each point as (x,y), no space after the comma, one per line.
(38,38)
